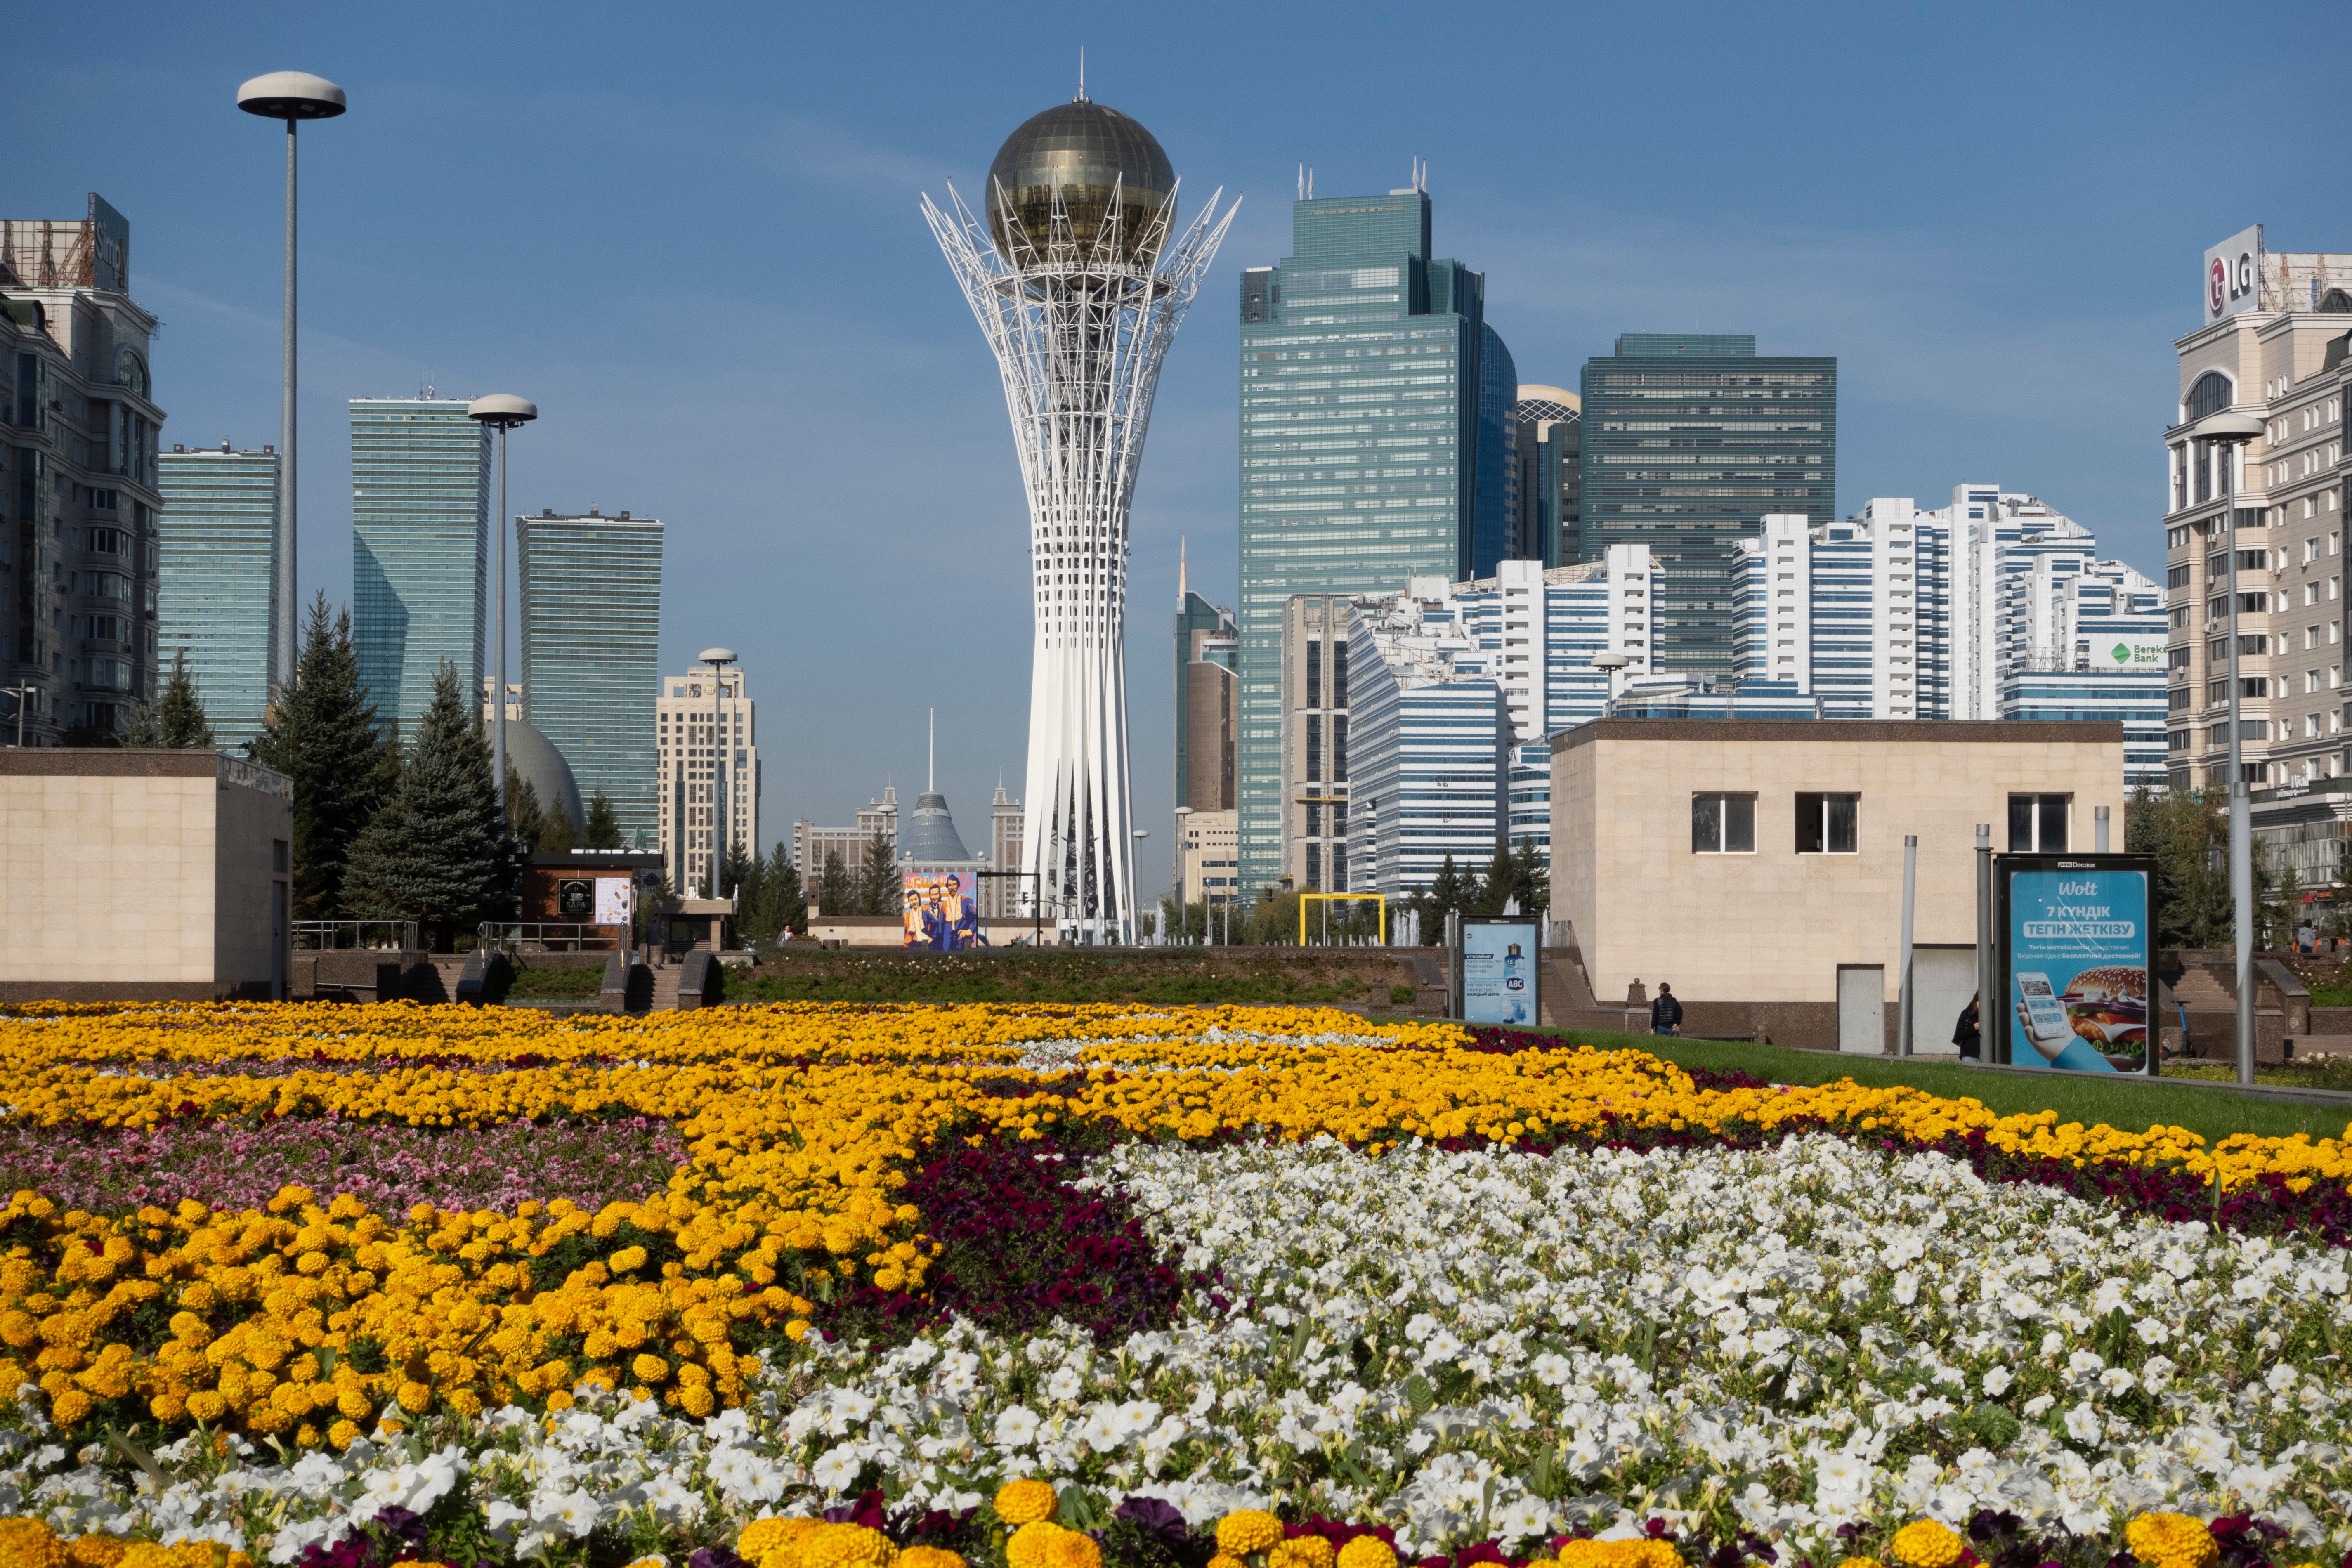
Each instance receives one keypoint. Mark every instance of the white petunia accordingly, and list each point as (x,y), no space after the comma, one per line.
(836,1469)
(1997,1382)
(1016,1427)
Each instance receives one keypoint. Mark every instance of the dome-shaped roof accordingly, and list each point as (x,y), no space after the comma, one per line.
(1088,150)
(535,760)
(931,833)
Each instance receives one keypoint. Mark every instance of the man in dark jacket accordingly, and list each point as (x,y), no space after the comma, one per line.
(1969,1033)
(1665,1013)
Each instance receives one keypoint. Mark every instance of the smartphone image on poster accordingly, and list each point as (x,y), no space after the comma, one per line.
(2048,1028)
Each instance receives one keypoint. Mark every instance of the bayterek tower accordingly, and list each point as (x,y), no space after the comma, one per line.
(1079,278)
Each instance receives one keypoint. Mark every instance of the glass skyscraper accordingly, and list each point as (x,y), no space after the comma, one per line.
(591,629)
(1362,392)
(1689,440)
(420,548)
(217,580)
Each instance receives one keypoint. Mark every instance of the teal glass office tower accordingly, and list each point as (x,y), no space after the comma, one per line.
(216,580)
(1689,440)
(591,630)
(420,548)
(1361,418)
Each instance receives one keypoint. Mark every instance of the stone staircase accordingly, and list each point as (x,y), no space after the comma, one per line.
(2204,984)
(665,987)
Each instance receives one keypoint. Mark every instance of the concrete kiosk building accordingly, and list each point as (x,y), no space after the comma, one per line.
(1758,867)
(155,875)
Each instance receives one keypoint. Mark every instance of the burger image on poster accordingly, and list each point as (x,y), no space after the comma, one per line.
(2108,1006)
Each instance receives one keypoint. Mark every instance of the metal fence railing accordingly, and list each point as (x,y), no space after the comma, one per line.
(543,936)
(329,936)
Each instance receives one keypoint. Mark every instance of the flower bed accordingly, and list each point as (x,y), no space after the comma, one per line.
(1474,1299)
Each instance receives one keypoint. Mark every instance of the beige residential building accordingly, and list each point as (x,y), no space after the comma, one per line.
(2273,345)
(1757,866)
(1208,851)
(812,843)
(79,487)
(142,876)
(710,772)
(1315,629)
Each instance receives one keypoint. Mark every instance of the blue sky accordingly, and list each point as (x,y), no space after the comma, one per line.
(690,234)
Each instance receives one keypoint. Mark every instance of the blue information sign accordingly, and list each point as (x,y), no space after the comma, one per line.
(2076,962)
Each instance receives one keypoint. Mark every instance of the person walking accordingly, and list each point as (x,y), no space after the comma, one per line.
(1665,1013)
(1969,1033)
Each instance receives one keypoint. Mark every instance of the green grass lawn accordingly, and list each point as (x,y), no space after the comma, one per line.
(2131,1106)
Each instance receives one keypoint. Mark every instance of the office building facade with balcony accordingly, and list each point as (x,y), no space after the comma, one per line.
(2273,344)
(591,615)
(1362,402)
(79,497)
(217,581)
(420,548)
(1688,441)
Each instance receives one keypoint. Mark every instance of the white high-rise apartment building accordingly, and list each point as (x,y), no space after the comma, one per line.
(2272,344)
(710,772)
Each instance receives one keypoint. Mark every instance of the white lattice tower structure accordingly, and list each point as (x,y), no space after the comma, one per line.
(1079,317)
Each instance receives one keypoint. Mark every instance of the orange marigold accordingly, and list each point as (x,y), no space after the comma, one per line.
(762,1537)
(929,1557)
(29,1543)
(1924,1544)
(2171,1540)
(1302,1552)
(1025,1501)
(1368,1551)
(844,1546)
(1251,1530)
(1029,1545)
(1073,1548)
(96,1550)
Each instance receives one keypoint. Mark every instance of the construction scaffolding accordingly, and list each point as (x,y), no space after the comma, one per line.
(92,252)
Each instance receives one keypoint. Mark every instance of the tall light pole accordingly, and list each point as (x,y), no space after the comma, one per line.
(2229,433)
(718,658)
(1613,665)
(293,97)
(501,411)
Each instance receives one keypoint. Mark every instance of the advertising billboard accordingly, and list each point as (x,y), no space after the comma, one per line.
(2233,274)
(1499,979)
(2076,963)
(616,901)
(2130,653)
(942,910)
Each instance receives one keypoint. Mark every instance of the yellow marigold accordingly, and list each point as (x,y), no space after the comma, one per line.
(1029,1545)
(1071,1549)
(844,1546)
(2171,1540)
(1924,1544)
(929,1557)
(1222,1560)
(1859,1562)
(29,1543)
(1639,1553)
(1302,1552)
(1025,1501)
(655,1560)
(71,1408)
(96,1550)
(1368,1551)
(147,1554)
(771,1538)
(1251,1530)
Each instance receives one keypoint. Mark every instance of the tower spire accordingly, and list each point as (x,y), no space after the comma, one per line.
(932,761)
(1082,75)
(1181,594)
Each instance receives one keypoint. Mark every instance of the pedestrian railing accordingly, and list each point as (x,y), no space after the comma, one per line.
(542,936)
(332,936)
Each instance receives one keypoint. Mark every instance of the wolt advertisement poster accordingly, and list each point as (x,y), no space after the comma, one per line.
(1498,972)
(2075,960)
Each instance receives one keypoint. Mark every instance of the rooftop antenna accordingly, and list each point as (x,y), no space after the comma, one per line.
(1180,572)
(1310,183)
(1081,74)
(1302,180)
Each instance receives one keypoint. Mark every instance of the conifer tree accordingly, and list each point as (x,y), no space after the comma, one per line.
(176,720)
(437,852)
(878,892)
(526,818)
(555,835)
(603,827)
(322,735)
(835,891)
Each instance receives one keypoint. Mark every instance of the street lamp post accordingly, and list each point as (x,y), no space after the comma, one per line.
(718,658)
(501,411)
(2229,433)
(293,97)
(25,695)
(1613,664)
(1183,910)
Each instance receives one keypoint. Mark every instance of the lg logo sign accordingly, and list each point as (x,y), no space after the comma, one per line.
(2233,272)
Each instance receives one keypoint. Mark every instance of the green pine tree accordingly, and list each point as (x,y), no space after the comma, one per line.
(878,891)
(738,875)
(1502,879)
(177,722)
(1446,896)
(526,817)
(436,852)
(322,735)
(556,834)
(834,891)
(604,828)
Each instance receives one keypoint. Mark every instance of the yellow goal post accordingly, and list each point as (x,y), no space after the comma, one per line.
(1379,925)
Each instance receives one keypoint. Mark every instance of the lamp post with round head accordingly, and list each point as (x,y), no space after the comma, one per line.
(1613,664)
(501,411)
(718,658)
(2231,432)
(293,97)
